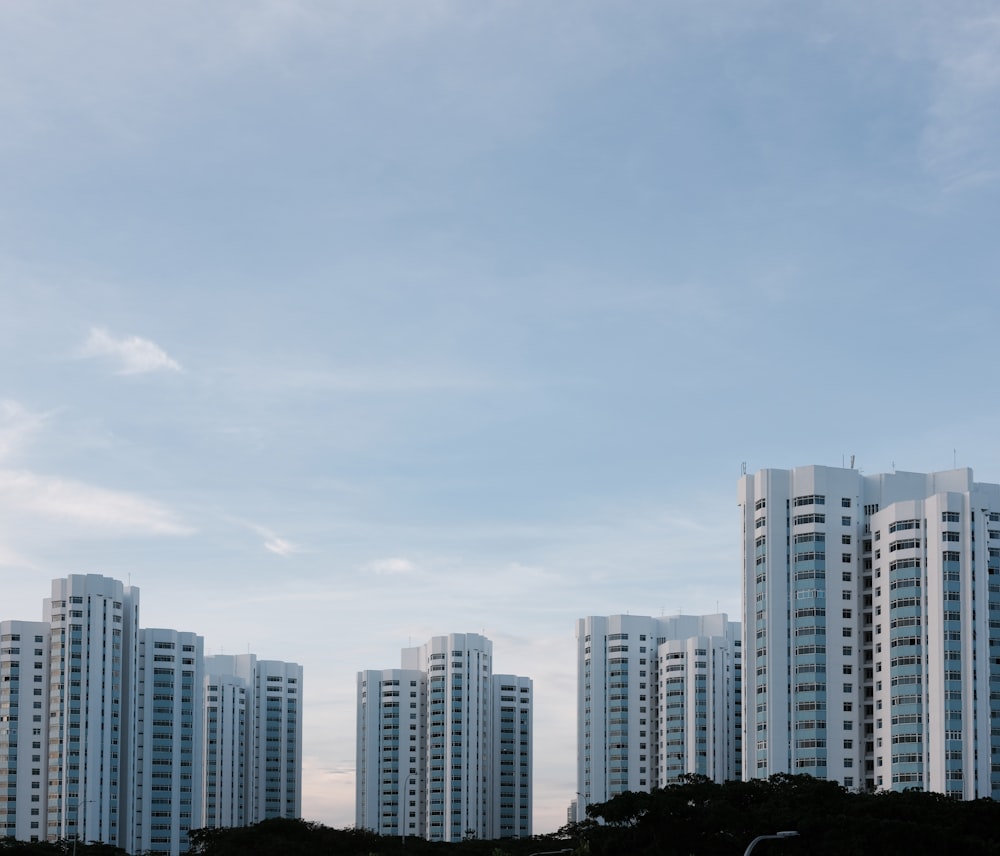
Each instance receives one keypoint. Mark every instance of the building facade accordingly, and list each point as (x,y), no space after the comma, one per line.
(93,621)
(657,698)
(444,746)
(24,716)
(872,628)
(168,767)
(103,728)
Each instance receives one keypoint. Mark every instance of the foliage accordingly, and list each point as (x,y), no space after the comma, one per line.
(10,847)
(697,816)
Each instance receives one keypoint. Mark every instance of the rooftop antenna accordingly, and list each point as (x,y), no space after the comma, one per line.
(954,459)
(743,468)
(852,462)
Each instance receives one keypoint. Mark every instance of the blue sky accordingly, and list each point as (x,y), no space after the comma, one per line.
(340,325)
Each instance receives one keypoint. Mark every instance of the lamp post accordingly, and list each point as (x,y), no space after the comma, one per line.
(788,833)
(76,832)
(406,806)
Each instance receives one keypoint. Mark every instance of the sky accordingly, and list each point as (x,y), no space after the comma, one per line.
(334,326)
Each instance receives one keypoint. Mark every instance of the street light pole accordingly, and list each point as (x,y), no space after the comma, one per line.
(406,805)
(76,832)
(788,833)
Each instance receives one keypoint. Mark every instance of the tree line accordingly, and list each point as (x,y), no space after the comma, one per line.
(697,817)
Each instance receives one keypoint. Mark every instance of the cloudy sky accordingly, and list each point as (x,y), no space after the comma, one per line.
(337,325)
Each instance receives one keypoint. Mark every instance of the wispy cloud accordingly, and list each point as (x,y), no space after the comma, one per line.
(280,547)
(390,567)
(959,140)
(98,508)
(134,354)
(17,424)
(273,543)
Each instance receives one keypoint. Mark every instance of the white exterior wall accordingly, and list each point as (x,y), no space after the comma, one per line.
(99,743)
(391,733)
(440,746)
(168,775)
(24,712)
(225,745)
(510,809)
(93,621)
(698,727)
(459,669)
(897,624)
(277,759)
(265,779)
(623,717)
(935,680)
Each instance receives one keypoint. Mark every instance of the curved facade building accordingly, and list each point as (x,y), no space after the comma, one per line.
(872,628)
(657,698)
(444,745)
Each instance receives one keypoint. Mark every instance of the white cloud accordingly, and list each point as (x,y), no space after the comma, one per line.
(134,354)
(280,546)
(391,566)
(273,543)
(959,140)
(94,507)
(17,424)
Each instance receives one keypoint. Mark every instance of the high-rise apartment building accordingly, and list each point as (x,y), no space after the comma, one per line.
(656,698)
(24,716)
(872,628)
(253,740)
(228,725)
(93,622)
(103,727)
(444,746)
(168,774)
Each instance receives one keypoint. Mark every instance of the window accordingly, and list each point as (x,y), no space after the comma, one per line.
(812,499)
(845,521)
(845,502)
(949,536)
(949,517)
(845,539)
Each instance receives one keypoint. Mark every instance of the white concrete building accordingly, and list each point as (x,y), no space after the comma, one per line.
(444,745)
(872,623)
(275,766)
(103,727)
(93,622)
(227,724)
(168,778)
(253,740)
(656,698)
(391,773)
(24,716)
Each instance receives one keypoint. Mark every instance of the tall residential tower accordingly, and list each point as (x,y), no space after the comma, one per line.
(871,627)
(106,734)
(444,746)
(656,698)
